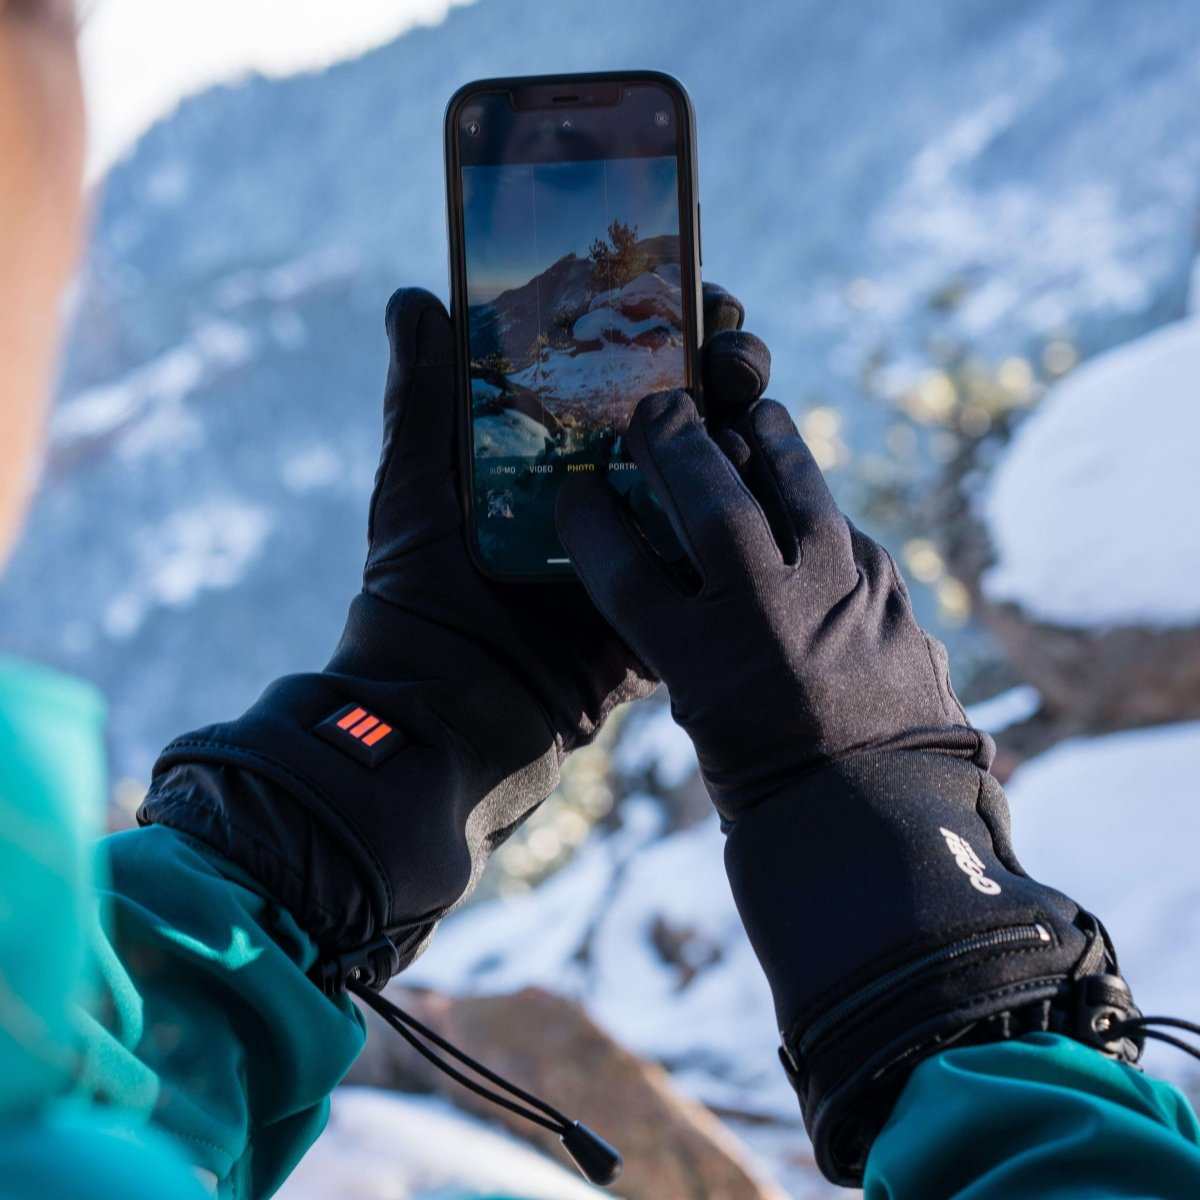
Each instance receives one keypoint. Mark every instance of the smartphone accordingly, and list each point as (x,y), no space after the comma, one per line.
(575,291)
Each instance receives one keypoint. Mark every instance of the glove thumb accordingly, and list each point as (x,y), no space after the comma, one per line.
(417,466)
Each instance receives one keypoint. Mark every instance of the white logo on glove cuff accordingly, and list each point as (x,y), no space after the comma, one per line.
(969,863)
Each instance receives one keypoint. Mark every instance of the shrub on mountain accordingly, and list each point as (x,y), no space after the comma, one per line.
(617,259)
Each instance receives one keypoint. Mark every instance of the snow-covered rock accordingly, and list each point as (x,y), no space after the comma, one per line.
(587,380)
(1092,511)
(652,293)
(1090,515)
(612,325)
(509,433)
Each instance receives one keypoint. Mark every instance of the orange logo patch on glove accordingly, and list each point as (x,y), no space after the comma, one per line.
(361,734)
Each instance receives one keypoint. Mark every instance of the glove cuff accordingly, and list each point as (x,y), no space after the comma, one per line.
(384,799)
(891,918)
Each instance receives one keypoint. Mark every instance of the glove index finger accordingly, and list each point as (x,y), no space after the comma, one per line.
(717,520)
(616,567)
(789,482)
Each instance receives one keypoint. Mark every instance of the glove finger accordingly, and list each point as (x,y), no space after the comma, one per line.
(616,565)
(418,405)
(785,477)
(718,522)
(722,309)
(736,370)
(416,479)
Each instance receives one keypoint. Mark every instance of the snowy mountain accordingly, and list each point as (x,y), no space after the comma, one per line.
(219,405)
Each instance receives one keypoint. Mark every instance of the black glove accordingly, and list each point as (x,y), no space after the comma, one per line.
(366,798)
(868,847)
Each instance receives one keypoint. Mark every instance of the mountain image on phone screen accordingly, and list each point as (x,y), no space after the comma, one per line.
(575,313)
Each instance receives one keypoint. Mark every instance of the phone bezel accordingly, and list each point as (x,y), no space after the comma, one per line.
(690,265)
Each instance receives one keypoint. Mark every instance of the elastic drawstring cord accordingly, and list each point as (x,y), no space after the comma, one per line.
(1139,1025)
(599,1162)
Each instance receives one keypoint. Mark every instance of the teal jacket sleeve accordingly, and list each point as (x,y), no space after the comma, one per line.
(55,1139)
(208,1024)
(144,987)
(1041,1117)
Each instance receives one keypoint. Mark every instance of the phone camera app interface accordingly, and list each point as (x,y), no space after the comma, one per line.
(575,312)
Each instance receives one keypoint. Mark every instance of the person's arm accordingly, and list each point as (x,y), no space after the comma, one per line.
(55,1140)
(208,1024)
(313,844)
(868,846)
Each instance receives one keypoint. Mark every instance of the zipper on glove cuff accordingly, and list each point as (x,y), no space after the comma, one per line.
(1010,937)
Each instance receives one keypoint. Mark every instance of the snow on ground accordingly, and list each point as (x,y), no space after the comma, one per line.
(384,1146)
(652,743)
(1092,509)
(710,1020)
(1114,822)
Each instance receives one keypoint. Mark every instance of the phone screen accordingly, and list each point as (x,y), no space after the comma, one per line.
(580,296)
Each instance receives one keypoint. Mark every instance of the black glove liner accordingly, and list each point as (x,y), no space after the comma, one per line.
(868,847)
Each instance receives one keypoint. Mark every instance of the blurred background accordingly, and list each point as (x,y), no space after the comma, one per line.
(966,228)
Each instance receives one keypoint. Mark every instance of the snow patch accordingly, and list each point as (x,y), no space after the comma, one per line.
(652,742)
(1092,509)
(1113,822)
(602,322)
(1045,257)
(705,1010)
(997,713)
(156,389)
(385,1146)
(205,548)
(286,281)
(594,376)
